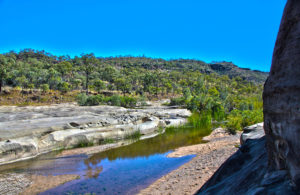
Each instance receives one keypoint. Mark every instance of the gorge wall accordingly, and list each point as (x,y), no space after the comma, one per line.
(271,164)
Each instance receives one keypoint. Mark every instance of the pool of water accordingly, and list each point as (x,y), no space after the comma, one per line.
(123,170)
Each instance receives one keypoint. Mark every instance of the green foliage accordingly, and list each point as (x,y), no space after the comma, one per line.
(84,144)
(107,141)
(99,85)
(30,86)
(201,120)
(133,136)
(44,87)
(64,87)
(177,101)
(115,100)
(94,100)
(128,102)
(239,119)
(218,88)
(81,99)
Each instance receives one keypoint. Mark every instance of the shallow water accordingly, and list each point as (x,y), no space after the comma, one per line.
(123,170)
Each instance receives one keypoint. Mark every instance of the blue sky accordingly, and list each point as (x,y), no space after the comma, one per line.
(241,31)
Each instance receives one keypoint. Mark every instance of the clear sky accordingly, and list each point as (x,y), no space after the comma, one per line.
(241,31)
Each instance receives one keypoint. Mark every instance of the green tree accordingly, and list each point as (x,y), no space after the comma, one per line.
(99,85)
(89,62)
(3,70)
(64,68)
(44,88)
(123,85)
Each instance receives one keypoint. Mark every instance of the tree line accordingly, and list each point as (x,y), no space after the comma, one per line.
(191,83)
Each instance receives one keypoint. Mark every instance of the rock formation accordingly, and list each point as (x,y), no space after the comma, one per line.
(282,96)
(26,132)
(271,164)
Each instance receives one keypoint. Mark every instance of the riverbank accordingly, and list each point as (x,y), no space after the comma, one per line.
(26,132)
(188,178)
(185,180)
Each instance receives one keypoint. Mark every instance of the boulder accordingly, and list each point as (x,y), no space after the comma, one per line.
(282,97)
(252,132)
(247,172)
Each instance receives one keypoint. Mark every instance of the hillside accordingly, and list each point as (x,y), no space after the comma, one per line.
(220,68)
(41,60)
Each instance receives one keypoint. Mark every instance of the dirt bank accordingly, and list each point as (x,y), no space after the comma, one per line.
(188,178)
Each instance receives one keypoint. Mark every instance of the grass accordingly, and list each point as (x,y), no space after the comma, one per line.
(107,141)
(18,97)
(133,136)
(84,144)
(160,130)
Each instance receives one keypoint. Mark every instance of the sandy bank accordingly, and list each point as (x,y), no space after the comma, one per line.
(188,178)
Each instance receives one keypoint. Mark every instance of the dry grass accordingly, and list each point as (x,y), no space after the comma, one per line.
(18,97)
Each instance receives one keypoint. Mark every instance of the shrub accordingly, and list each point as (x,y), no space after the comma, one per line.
(44,87)
(128,102)
(30,86)
(177,101)
(81,99)
(64,87)
(94,100)
(115,100)
(234,124)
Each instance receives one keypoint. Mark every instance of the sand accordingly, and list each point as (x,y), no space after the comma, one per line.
(189,178)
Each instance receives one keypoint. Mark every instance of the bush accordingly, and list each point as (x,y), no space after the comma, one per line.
(44,87)
(30,86)
(237,120)
(81,99)
(234,124)
(177,101)
(64,87)
(128,102)
(94,100)
(115,100)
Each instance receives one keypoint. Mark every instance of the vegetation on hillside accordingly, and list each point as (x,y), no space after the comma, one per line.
(221,90)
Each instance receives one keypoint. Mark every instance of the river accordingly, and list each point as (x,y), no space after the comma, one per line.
(122,170)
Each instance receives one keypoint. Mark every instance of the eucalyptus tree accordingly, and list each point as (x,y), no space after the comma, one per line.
(88,64)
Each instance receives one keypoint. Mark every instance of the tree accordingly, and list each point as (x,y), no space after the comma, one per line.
(3,73)
(44,87)
(99,85)
(123,85)
(64,68)
(64,87)
(89,61)
(22,81)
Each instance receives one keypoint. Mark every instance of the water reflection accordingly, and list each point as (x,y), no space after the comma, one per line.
(171,139)
(123,170)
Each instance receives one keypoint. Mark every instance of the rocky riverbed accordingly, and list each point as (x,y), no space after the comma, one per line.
(26,132)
